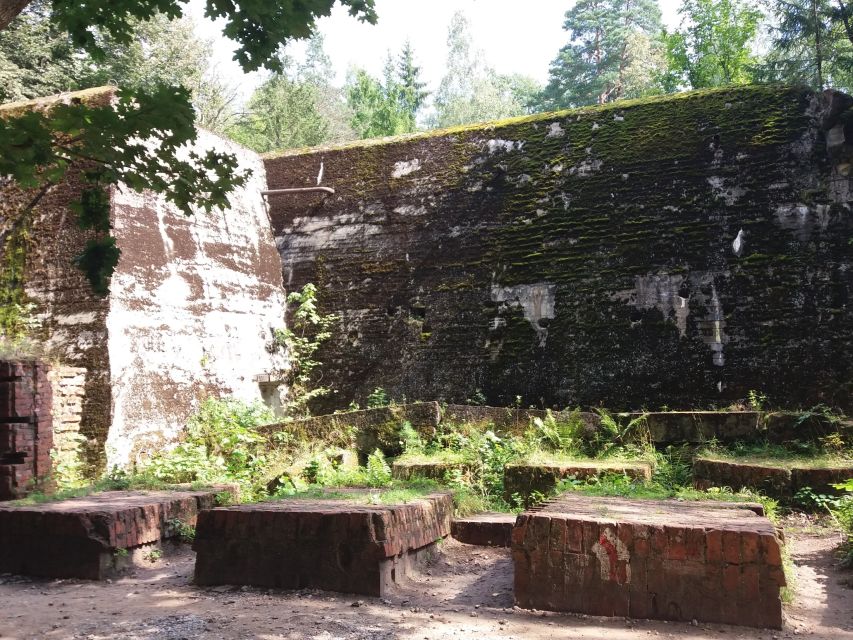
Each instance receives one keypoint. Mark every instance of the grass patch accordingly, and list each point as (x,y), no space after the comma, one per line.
(815,455)
(113,482)
(621,456)
(617,485)
(396,492)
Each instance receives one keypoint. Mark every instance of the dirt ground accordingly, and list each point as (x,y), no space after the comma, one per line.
(465,592)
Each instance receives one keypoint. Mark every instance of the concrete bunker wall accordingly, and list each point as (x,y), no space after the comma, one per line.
(190,311)
(193,304)
(675,251)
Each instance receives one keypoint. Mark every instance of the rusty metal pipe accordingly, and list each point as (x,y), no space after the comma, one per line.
(272,192)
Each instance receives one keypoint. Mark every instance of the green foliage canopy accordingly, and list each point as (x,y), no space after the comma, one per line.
(610,41)
(471,91)
(390,106)
(140,143)
(714,45)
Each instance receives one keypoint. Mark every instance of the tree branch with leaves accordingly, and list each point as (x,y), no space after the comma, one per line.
(143,141)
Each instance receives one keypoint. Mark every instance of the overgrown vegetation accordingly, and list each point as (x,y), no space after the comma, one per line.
(842,512)
(824,451)
(307,329)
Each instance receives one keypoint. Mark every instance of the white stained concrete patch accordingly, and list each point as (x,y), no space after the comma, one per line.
(406,167)
(196,320)
(661,292)
(555,131)
(739,243)
(537,302)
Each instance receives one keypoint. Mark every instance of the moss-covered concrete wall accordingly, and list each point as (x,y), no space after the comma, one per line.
(678,251)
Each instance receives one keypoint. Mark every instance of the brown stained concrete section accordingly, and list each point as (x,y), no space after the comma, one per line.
(649,559)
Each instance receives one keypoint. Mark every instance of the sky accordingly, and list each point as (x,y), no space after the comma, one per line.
(515,36)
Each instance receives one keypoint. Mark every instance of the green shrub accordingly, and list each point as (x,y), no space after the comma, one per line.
(221,444)
(410,439)
(377,473)
(378,398)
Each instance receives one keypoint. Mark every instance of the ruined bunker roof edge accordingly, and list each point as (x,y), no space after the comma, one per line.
(66,96)
(491,125)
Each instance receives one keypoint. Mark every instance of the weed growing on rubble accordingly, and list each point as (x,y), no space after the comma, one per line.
(221,445)
(843,515)
(306,331)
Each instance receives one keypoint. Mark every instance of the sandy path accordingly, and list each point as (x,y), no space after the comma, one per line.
(466,593)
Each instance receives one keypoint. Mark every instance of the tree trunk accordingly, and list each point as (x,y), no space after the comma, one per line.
(847,19)
(9,10)
(818,52)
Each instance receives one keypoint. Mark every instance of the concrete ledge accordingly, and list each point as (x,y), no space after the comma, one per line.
(336,545)
(776,481)
(657,559)
(406,470)
(374,428)
(508,420)
(82,537)
(675,427)
(484,529)
(525,479)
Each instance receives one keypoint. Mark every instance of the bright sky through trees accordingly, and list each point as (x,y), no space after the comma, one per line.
(516,37)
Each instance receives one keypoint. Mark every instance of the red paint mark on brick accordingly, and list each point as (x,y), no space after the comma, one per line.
(612,556)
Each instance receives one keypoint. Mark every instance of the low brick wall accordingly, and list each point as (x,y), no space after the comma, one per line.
(323,544)
(79,538)
(484,529)
(775,481)
(26,427)
(523,480)
(649,559)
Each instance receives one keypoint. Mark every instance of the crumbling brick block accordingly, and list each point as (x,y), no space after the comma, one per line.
(484,529)
(336,545)
(26,427)
(78,538)
(667,560)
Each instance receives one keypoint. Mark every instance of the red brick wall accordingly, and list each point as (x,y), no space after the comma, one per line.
(26,427)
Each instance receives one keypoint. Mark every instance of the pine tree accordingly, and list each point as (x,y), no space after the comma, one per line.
(812,43)
(388,106)
(594,67)
(412,94)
